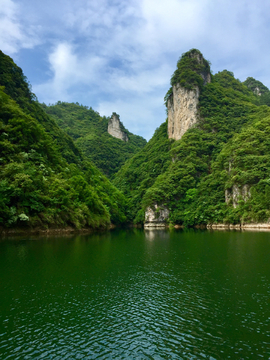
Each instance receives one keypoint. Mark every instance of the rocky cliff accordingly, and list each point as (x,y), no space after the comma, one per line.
(156,216)
(237,193)
(114,128)
(193,72)
(182,111)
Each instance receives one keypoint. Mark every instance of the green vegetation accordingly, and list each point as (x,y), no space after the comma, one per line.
(44,179)
(140,172)
(47,178)
(255,86)
(259,89)
(192,184)
(191,71)
(17,87)
(89,132)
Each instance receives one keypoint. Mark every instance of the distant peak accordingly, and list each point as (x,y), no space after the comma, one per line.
(115,128)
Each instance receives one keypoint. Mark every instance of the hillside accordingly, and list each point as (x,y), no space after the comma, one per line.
(218,171)
(45,181)
(208,163)
(259,89)
(90,133)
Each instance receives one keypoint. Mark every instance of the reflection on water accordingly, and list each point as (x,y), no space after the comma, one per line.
(136,294)
(151,234)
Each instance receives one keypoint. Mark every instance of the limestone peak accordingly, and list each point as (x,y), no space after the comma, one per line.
(192,73)
(115,128)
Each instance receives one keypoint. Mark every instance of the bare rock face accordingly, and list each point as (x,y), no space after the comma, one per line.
(114,128)
(156,217)
(182,104)
(182,111)
(257,91)
(236,193)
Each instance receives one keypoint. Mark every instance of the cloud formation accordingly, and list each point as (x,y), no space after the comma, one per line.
(119,56)
(13,36)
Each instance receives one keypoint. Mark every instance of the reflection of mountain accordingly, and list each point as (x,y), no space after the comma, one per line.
(152,234)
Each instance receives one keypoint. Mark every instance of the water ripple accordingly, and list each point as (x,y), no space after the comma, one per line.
(171,309)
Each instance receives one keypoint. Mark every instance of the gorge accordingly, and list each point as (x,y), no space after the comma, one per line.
(64,165)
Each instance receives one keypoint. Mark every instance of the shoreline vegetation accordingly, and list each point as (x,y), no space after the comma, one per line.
(62,172)
(7,232)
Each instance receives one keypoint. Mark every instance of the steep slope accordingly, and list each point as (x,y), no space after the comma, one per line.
(17,87)
(140,172)
(259,89)
(196,186)
(44,179)
(90,133)
(182,99)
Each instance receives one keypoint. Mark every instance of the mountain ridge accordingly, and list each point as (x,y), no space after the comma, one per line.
(193,184)
(90,133)
(216,173)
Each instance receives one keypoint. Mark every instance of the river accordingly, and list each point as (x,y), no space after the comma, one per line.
(135,294)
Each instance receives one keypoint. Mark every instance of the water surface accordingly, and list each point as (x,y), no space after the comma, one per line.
(136,295)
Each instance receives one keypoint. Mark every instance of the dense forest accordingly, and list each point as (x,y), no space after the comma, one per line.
(89,133)
(56,160)
(45,180)
(226,152)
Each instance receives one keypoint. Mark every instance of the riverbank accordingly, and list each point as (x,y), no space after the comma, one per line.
(254,226)
(50,231)
(71,230)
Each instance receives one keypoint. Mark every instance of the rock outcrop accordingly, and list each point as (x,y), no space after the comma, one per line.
(182,111)
(237,193)
(156,217)
(257,91)
(182,104)
(114,128)
(250,226)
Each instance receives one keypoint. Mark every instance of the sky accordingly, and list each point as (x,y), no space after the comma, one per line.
(119,55)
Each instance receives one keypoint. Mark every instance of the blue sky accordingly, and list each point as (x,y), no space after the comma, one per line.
(117,55)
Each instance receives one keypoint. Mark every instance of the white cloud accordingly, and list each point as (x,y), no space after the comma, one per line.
(68,71)
(104,53)
(12,35)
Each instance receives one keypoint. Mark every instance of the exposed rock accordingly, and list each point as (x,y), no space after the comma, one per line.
(256,86)
(182,104)
(114,128)
(182,111)
(257,91)
(251,226)
(236,193)
(256,226)
(177,226)
(156,217)
(206,77)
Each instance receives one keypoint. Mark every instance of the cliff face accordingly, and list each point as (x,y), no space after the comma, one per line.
(156,217)
(114,128)
(236,193)
(182,104)
(182,111)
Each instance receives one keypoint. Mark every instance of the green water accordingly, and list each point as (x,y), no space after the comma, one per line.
(136,295)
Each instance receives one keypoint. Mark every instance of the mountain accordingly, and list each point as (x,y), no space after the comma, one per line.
(103,140)
(259,89)
(209,162)
(45,180)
